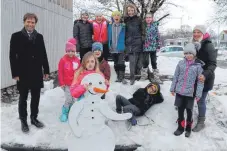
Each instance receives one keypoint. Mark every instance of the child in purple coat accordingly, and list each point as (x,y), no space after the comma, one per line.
(186,87)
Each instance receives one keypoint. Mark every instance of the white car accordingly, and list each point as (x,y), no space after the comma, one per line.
(171,51)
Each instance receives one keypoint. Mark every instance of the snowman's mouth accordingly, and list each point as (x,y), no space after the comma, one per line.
(91,92)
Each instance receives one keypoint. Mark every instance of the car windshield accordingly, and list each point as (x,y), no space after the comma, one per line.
(171,49)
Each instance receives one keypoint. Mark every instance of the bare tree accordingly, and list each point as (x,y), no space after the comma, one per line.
(221,11)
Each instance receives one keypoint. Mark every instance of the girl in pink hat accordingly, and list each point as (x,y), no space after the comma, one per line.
(67,66)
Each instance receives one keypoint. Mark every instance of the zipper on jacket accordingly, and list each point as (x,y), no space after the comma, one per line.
(185,77)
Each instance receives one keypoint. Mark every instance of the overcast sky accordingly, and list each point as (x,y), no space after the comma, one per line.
(192,12)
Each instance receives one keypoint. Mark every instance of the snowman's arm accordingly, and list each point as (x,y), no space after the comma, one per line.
(110,114)
(73,118)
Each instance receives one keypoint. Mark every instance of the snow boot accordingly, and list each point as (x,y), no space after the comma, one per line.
(144,74)
(132,81)
(64,114)
(156,76)
(188,128)
(180,129)
(200,124)
(122,77)
(24,126)
(36,122)
(118,79)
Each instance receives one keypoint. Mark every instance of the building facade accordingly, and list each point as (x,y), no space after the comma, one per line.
(55,22)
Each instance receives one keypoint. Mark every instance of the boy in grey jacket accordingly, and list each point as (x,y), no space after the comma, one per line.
(187,87)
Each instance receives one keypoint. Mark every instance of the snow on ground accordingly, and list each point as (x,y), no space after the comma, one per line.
(222,55)
(157,132)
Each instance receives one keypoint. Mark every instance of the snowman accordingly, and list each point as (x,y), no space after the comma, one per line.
(87,118)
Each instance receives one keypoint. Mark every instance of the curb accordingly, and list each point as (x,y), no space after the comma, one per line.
(22,147)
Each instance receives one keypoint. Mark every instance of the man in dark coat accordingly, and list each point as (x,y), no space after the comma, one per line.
(133,40)
(140,102)
(208,55)
(29,65)
(82,31)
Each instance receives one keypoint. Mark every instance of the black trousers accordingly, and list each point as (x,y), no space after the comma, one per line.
(106,52)
(83,51)
(135,63)
(119,61)
(22,106)
(182,108)
(153,59)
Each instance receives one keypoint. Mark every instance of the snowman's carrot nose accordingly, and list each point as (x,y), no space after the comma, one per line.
(98,90)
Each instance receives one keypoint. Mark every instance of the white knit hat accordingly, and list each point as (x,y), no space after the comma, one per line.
(201,28)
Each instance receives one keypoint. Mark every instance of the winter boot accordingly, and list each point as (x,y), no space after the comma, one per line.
(24,126)
(188,128)
(180,129)
(64,114)
(119,111)
(36,122)
(132,81)
(122,77)
(156,76)
(118,79)
(200,124)
(133,121)
(144,74)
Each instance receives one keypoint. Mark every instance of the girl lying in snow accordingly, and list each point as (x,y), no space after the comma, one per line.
(141,101)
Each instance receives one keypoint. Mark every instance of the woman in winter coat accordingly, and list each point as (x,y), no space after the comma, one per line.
(208,55)
(133,40)
(116,40)
(66,69)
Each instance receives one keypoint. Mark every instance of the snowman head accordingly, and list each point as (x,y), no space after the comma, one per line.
(96,84)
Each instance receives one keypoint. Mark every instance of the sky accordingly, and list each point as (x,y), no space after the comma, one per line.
(191,12)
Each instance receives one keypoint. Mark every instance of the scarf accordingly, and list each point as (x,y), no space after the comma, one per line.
(32,35)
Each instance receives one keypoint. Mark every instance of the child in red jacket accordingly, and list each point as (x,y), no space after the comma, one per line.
(67,66)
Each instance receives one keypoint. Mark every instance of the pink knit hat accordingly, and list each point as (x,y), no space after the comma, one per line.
(70,45)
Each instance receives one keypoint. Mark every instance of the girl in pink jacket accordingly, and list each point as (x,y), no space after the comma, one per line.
(68,64)
(89,65)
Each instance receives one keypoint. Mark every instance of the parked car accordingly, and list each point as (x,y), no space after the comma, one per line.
(171,51)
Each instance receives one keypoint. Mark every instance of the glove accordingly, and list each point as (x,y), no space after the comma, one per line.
(133,121)
(197,99)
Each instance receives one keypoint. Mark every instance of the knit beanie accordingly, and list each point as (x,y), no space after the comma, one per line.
(114,13)
(70,45)
(97,46)
(201,28)
(84,11)
(190,48)
(98,14)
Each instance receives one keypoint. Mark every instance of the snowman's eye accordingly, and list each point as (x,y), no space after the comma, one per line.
(100,82)
(90,83)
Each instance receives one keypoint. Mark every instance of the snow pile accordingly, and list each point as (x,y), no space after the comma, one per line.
(157,132)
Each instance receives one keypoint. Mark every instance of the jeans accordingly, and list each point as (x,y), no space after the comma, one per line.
(202,105)
(128,107)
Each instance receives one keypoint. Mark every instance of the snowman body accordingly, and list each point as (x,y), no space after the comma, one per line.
(87,119)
